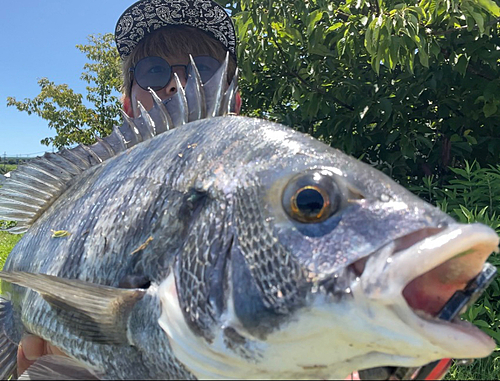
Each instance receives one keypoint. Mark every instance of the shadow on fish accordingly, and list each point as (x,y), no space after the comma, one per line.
(228,247)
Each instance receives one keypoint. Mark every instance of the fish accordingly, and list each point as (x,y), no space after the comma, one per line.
(192,243)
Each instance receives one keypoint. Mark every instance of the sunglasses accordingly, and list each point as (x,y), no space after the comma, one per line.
(156,73)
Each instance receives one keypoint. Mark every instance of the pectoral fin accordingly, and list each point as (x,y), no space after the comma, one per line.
(53,367)
(98,313)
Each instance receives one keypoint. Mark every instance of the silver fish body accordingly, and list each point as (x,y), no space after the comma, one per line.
(239,248)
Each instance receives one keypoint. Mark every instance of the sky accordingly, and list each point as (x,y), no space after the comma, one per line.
(39,39)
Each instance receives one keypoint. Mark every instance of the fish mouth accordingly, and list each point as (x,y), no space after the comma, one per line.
(422,271)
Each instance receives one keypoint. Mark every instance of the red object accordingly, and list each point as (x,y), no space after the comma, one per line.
(439,371)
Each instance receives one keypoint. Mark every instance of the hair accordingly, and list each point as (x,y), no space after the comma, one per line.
(175,40)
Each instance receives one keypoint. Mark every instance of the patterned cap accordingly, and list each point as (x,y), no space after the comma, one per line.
(146,16)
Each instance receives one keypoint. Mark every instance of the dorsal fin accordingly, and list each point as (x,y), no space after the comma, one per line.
(34,186)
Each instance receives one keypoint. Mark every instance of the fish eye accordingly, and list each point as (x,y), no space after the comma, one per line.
(311,198)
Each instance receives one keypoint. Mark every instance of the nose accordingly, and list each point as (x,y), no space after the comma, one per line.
(171,87)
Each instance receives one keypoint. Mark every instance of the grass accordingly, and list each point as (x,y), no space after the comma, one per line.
(483,369)
(5,168)
(7,242)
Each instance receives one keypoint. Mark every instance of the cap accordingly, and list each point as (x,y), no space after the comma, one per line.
(146,16)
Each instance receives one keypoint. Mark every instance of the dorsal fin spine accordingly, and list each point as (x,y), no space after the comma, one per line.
(27,186)
(37,178)
(214,89)
(16,211)
(92,153)
(148,121)
(229,99)
(22,197)
(106,146)
(37,182)
(53,168)
(184,113)
(34,187)
(20,205)
(15,215)
(129,126)
(166,121)
(37,169)
(196,104)
(61,162)
(73,156)
(120,138)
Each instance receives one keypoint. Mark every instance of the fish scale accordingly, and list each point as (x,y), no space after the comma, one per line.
(279,285)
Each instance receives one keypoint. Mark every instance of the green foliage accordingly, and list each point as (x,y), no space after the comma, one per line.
(7,242)
(67,112)
(412,87)
(471,194)
(6,168)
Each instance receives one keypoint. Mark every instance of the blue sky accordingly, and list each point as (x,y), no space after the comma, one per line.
(38,40)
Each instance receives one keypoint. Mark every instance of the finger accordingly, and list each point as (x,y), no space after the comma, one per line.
(22,362)
(30,349)
(33,347)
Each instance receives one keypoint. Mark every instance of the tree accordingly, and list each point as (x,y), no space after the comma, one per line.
(66,111)
(411,87)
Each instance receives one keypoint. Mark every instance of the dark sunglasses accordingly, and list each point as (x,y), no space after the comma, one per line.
(156,73)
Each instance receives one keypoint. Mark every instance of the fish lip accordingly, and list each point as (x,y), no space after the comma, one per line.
(388,272)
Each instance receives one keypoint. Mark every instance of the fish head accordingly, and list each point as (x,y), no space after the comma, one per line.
(332,268)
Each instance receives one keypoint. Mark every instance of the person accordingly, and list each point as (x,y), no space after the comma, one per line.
(154,39)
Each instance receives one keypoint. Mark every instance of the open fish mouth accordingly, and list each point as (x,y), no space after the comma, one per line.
(421,272)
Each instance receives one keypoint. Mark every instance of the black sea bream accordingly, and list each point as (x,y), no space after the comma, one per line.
(228,247)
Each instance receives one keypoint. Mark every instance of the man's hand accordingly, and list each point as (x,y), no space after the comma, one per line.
(30,349)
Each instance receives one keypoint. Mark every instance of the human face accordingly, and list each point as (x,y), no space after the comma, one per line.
(138,94)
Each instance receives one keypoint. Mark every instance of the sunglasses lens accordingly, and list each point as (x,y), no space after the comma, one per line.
(206,65)
(152,72)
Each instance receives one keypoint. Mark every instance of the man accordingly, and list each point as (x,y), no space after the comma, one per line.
(154,39)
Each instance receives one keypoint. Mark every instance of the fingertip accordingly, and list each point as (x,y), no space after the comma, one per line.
(22,362)
(32,347)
